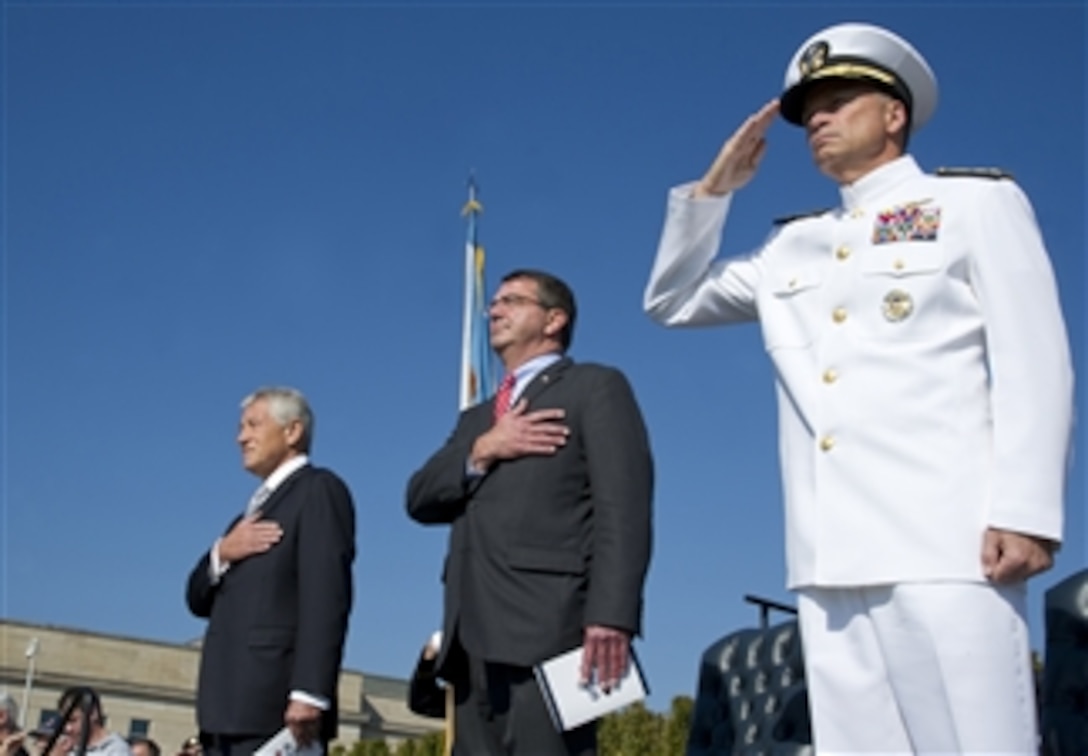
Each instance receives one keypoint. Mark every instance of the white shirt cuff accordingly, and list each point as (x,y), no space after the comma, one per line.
(309,698)
(216,567)
(472,472)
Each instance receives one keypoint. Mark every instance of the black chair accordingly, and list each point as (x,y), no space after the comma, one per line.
(1065,674)
(752,698)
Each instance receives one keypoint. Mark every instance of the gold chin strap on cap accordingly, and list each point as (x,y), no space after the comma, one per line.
(852,71)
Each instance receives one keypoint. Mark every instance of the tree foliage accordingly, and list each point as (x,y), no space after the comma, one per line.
(634,731)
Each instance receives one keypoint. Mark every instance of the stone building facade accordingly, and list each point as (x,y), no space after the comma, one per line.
(149,687)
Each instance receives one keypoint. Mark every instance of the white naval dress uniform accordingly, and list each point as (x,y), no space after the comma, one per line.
(923,373)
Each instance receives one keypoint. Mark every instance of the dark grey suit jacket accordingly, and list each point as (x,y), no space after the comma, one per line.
(277,620)
(542,546)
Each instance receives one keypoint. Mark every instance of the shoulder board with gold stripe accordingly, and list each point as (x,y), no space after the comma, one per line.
(798,216)
(990,173)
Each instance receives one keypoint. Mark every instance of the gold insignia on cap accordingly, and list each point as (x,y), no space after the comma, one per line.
(813,58)
(898,305)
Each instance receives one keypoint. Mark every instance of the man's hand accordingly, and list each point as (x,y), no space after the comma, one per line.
(62,747)
(11,744)
(519,433)
(604,655)
(304,721)
(1009,557)
(739,158)
(432,646)
(248,537)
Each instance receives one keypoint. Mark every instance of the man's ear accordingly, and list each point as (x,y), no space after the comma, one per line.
(896,118)
(293,430)
(557,321)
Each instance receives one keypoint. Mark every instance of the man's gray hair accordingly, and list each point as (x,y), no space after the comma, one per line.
(7,704)
(287,405)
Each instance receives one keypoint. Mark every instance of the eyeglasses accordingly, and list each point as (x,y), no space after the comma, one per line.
(515,300)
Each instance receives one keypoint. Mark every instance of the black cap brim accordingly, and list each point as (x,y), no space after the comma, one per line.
(792,101)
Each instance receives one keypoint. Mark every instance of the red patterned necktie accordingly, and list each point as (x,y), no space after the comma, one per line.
(502,396)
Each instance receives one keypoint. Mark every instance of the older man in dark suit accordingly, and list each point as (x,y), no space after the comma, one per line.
(277,589)
(548,489)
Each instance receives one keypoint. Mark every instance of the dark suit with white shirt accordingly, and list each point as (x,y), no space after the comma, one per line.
(278,620)
(540,546)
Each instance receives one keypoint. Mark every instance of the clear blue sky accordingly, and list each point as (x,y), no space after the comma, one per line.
(202,198)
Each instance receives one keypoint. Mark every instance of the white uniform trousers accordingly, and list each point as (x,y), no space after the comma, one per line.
(919,668)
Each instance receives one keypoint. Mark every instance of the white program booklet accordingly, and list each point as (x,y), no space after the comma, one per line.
(571,703)
(283,743)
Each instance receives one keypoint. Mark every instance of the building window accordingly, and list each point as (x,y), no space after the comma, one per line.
(139,727)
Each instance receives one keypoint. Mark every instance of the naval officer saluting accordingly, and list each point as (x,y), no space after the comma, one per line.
(925,392)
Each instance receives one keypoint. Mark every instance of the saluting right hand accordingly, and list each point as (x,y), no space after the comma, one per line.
(739,158)
(248,537)
(519,433)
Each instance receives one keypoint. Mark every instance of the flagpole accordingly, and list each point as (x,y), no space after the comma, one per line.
(476,378)
(471,210)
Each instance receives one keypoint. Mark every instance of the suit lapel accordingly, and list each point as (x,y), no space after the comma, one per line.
(545,379)
(281,490)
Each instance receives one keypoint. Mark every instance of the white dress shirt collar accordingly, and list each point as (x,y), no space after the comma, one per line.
(870,186)
(525,373)
(281,473)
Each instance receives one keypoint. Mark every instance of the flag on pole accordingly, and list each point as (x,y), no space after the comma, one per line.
(477,376)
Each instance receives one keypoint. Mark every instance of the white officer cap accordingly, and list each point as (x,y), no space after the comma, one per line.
(861,51)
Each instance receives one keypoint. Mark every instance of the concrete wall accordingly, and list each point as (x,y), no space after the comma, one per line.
(156,681)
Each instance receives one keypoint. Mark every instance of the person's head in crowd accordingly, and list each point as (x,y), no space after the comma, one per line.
(143,746)
(86,711)
(9,714)
(11,739)
(191,747)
